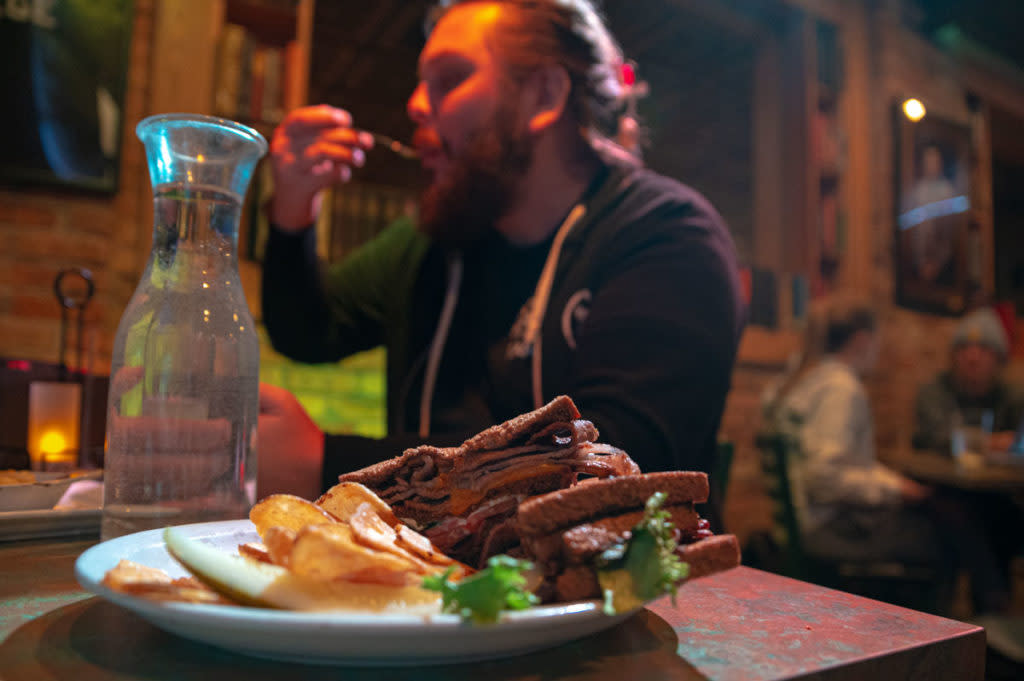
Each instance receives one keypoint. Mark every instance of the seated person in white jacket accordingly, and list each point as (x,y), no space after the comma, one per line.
(849,506)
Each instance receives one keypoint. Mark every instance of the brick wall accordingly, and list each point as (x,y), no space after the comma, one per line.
(915,346)
(46,230)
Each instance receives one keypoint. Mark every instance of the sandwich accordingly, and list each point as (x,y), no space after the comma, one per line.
(465,498)
(577,536)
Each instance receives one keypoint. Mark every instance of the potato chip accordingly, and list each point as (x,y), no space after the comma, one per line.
(156,585)
(279,541)
(183,590)
(126,573)
(343,499)
(331,552)
(286,510)
(255,551)
(371,530)
(418,545)
(251,583)
(380,577)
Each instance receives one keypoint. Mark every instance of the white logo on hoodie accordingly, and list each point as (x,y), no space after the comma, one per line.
(575,313)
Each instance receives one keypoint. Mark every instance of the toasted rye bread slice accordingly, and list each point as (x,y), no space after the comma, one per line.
(579,544)
(377,475)
(710,555)
(548,513)
(560,409)
(705,557)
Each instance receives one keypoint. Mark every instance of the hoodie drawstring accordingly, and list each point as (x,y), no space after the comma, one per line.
(540,300)
(451,297)
(533,326)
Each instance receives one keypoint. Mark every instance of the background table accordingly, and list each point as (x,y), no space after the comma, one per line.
(743,624)
(940,469)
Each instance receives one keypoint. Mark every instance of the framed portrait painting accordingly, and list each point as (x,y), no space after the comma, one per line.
(932,214)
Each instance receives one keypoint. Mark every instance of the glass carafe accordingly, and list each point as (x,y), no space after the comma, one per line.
(183,402)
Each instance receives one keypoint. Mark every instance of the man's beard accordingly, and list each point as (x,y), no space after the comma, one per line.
(480,185)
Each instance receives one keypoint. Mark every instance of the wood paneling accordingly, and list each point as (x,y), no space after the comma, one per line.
(184,52)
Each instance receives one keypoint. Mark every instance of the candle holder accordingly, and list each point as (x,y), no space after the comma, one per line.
(54,420)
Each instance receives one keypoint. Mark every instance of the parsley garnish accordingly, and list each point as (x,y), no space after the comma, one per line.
(646,566)
(483,595)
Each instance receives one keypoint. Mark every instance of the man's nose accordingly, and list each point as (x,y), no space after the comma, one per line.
(418,106)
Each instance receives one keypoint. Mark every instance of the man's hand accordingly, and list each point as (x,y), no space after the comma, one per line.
(914,492)
(290,446)
(312,149)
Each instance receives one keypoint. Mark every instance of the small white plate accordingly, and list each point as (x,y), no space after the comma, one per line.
(337,637)
(41,494)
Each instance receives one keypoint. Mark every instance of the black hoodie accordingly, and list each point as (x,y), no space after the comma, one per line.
(640,327)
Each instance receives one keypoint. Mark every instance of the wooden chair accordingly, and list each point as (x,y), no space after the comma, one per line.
(794,562)
(915,586)
(718,481)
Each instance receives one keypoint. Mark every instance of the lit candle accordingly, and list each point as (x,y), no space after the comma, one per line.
(54,411)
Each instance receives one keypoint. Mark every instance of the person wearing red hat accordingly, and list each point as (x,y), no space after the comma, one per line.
(973,391)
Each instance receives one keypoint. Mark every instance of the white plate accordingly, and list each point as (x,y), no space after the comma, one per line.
(350,638)
(44,492)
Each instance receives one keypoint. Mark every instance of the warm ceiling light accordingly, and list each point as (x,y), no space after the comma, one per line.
(914,109)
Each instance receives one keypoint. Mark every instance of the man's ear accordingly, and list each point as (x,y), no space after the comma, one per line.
(547,96)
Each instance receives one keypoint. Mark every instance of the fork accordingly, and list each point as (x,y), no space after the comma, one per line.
(400,148)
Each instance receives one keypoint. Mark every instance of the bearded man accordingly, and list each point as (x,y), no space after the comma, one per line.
(546,261)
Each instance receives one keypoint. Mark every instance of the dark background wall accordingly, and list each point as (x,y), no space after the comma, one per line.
(698,116)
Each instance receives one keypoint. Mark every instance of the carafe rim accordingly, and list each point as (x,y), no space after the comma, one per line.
(239,128)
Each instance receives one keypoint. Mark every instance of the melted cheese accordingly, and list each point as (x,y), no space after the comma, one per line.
(462,499)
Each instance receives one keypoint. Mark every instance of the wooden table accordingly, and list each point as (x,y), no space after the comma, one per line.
(940,469)
(743,624)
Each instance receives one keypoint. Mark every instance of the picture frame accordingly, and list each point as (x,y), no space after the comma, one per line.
(63,73)
(932,214)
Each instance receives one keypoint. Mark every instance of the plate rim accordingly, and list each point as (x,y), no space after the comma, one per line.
(61,478)
(42,513)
